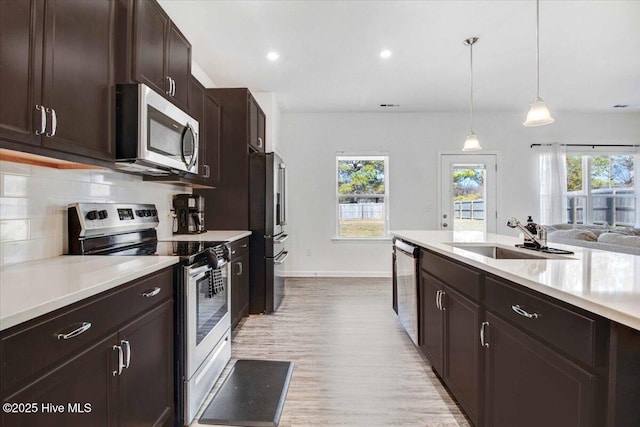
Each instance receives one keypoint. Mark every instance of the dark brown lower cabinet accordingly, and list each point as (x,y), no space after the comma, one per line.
(432,324)
(239,280)
(85,379)
(450,325)
(529,385)
(462,350)
(146,386)
(106,361)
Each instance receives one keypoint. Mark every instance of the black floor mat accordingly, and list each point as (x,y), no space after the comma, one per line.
(253,394)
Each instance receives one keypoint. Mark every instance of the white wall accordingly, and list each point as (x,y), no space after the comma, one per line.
(34,199)
(309,142)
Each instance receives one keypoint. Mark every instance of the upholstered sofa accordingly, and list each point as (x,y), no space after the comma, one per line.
(603,237)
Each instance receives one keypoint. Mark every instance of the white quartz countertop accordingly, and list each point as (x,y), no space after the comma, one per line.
(602,282)
(210,236)
(31,289)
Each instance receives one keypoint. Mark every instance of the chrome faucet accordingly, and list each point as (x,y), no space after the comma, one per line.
(540,241)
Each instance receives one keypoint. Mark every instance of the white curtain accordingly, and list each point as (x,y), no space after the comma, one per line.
(553,184)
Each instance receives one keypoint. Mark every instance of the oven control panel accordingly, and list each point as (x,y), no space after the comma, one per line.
(93,219)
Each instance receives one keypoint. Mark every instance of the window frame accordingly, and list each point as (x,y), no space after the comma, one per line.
(362,156)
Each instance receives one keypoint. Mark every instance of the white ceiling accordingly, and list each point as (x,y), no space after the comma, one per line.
(590,52)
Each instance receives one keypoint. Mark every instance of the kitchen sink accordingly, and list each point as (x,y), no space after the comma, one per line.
(501,252)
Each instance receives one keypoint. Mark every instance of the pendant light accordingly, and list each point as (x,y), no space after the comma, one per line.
(538,114)
(472,143)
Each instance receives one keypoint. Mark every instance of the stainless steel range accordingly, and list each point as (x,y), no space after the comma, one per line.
(202,319)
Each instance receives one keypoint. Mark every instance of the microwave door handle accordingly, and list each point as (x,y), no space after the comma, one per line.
(194,157)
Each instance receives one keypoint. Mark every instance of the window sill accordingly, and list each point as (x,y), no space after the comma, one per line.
(385,239)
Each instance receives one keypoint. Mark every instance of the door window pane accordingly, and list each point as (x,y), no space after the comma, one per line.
(469,197)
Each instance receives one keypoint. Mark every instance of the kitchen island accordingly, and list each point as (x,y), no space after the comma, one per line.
(525,338)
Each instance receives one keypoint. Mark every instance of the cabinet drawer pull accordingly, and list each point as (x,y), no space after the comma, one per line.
(523,312)
(152,293)
(120,361)
(207,169)
(483,343)
(126,347)
(260,142)
(54,122)
(84,327)
(240,269)
(43,120)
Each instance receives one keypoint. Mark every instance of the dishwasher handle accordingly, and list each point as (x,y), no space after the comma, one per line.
(407,248)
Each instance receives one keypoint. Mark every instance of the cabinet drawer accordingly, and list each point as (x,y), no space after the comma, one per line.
(453,274)
(567,330)
(239,247)
(30,350)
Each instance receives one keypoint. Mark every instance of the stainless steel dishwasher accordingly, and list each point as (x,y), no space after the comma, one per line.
(407,282)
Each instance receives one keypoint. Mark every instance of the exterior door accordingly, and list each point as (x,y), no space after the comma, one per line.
(468,192)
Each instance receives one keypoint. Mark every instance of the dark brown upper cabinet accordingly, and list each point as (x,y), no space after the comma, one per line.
(256,126)
(153,51)
(57,78)
(227,206)
(207,111)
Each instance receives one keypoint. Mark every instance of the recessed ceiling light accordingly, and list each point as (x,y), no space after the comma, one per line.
(620,106)
(273,56)
(389,105)
(385,54)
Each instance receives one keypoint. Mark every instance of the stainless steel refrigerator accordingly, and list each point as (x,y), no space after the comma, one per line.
(267,220)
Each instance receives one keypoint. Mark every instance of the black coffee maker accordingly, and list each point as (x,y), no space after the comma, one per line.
(189,211)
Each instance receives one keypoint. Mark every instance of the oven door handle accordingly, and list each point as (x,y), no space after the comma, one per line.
(198,271)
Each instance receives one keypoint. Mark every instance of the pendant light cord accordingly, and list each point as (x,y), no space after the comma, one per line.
(471,74)
(538,48)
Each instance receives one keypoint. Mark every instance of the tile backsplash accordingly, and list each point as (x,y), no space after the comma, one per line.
(34,199)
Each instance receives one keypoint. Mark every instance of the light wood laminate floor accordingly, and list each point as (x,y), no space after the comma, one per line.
(354,364)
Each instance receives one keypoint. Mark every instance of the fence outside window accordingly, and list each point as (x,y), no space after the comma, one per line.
(613,206)
(469,209)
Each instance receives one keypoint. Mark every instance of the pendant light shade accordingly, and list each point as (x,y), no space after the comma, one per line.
(472,143)
(538,114)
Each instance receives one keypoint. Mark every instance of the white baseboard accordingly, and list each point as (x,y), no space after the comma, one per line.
(385,274)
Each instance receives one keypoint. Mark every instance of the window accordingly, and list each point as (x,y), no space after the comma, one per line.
(362,194)
(601,189)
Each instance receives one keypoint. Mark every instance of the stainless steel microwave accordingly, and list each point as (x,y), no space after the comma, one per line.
(153,136)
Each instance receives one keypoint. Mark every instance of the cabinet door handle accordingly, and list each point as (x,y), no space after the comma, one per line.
(483,343)
(120,361)
(438,300)
(174,88)
(522,312)
(127,348)
(152,293)
(54,122)
(168,92)
(240,269)
(442,307)
(260,142)
(207,169)
(43,120)
(84,327)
